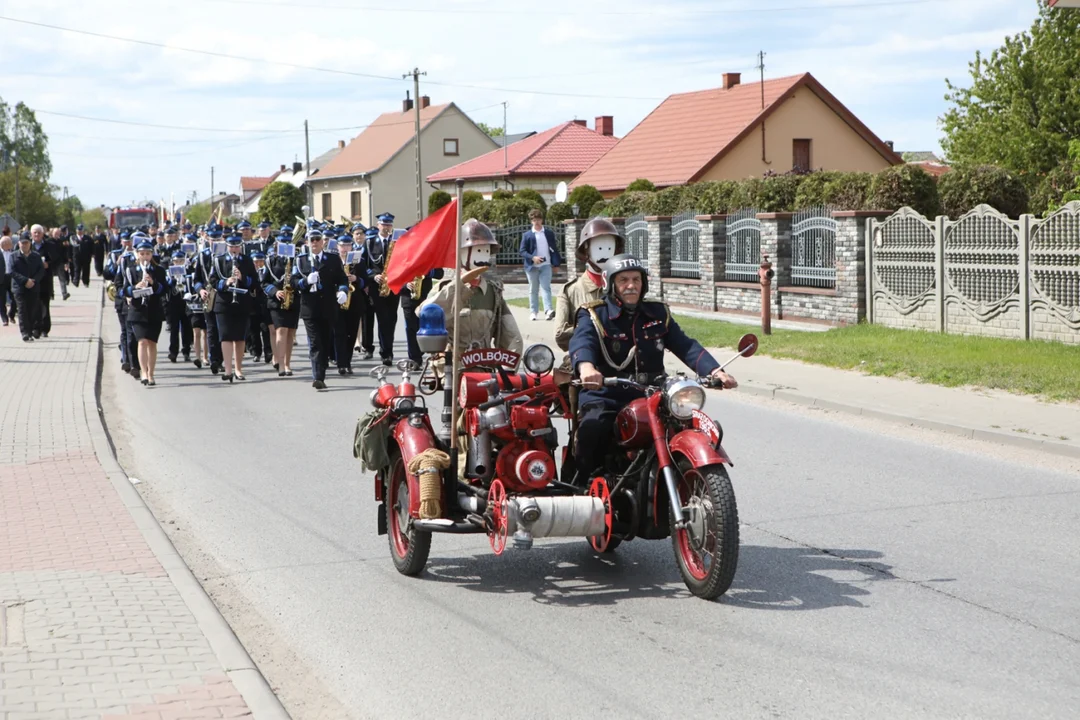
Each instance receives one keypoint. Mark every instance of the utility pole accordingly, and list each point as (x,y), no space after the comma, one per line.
(419,176)
(307,167)
(761,67)
(18,170)
(506,158)
(211,191)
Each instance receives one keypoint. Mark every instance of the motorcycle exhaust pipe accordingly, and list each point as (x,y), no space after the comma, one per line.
(566,516)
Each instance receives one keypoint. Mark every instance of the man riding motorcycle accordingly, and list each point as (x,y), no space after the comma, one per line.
(622,335)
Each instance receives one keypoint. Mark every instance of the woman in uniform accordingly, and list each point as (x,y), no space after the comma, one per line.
(284,321)
(233,277)
(145,310)
(196,315)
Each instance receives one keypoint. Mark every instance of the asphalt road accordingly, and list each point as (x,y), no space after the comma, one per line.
(879,576)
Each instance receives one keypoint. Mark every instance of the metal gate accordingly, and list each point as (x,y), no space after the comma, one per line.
(685,234)
(743,246)
(813,248)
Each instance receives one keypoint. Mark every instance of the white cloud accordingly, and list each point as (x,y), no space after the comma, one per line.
(886,63)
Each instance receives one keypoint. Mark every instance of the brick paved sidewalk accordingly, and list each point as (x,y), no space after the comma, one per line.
(92,624)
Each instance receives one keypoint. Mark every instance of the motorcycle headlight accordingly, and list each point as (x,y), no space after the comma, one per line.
(539,359)
(684,397)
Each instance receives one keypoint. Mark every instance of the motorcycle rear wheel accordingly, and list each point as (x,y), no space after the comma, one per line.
(408,549)
(707,558)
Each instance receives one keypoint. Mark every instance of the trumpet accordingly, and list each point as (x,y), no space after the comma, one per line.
(235,277)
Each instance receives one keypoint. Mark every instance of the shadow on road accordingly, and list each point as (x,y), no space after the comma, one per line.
(800,578)
(768,578)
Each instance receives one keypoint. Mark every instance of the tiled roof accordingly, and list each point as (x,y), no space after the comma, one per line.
(380,142)
(936,169)
(687,133)
(565,149)
(254,183)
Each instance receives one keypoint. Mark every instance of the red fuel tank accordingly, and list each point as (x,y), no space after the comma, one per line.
(632,425)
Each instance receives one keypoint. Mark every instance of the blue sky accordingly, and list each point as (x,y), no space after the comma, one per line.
(550,62)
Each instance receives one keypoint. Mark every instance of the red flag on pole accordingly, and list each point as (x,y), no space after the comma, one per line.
(430,244)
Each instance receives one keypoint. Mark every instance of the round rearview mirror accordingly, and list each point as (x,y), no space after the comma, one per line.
(538,359)
(561,192)
(748,345)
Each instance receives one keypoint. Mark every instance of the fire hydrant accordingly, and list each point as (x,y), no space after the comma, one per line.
(765,275)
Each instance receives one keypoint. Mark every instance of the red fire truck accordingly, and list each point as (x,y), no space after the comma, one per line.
(131,217)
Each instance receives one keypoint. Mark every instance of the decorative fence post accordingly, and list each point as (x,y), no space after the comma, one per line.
(1025,269)
(939,269)
(574,266)
(870,239)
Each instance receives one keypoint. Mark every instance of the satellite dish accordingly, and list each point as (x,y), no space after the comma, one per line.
(561,192)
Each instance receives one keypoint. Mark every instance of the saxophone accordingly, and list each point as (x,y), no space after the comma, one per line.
(286,287)
(348,297)
(384,287)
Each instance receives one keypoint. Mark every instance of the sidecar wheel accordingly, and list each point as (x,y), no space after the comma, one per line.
(408,549)
(707,550)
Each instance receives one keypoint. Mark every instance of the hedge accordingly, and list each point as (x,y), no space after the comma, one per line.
(438,199)
(640,184)
(964,188)
(907,185)
(584,196)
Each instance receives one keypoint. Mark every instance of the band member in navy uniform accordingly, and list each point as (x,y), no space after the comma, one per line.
(383,308)
(194,309)
(264,238)
(347,325)
(319,280)
(233,277)
(261,339)
(176,311)
(284,322)
(112,272)
(145,312)
(137,238)
(203,270)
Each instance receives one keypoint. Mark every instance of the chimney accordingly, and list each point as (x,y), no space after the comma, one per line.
(282,169)
(297,168)
(731,80)
(406,104)
(890,144)
(341,144)
(582,123)
(425,101)
(605,125)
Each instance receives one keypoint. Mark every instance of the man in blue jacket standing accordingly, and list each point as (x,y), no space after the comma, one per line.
(540,255)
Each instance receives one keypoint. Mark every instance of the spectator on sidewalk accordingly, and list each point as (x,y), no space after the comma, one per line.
(541,256)
(7,308)
(60,258)
(28,272)
(51,254)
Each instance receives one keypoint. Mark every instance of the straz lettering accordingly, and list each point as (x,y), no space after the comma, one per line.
(705,424)
(490,357)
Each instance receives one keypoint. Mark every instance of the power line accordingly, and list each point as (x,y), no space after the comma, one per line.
(313,68)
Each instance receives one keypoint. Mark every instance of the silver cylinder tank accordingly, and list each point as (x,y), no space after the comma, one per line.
(577,516)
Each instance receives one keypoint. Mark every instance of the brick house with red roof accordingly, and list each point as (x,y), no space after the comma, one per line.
(739,131)
(538,162)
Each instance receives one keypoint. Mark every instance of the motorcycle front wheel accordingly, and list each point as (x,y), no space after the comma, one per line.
(409,549)
(707,549)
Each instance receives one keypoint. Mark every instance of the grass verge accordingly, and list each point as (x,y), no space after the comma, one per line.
(1045,369)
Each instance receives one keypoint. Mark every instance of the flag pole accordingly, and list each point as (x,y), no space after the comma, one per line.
(452,378)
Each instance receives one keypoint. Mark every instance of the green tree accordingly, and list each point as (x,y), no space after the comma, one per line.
(280,203)
(491,131)
(37,198)
(199,214)
(23,140)
(1023,104)
(70,210)
(584,196)
(94,217)
(438,200)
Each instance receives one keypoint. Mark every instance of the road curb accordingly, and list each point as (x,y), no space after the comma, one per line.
(797,398)
(234,658)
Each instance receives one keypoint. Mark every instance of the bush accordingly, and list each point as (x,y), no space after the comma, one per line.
(812,189)
(438,199)
(692,197)
(558,212)
(599,209)
(470,196)
(281,203)
(510,211)
(482,210)
(502,194)
(584,196)
(774,193)
(664,202)
(848,191)
(629,203)
(723,197)
(533,197)
(640,184)
(905,185)
(964,188)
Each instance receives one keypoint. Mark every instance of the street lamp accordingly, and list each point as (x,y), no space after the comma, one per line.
(574,208)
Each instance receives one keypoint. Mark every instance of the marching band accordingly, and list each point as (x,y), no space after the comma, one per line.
(225,292)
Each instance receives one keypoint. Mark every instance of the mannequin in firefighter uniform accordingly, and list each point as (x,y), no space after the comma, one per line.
(380,308)
(486,320)
(599,242)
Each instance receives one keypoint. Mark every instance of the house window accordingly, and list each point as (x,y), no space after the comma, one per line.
(326,206)
(354,204)
(800,155)
(449,146)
